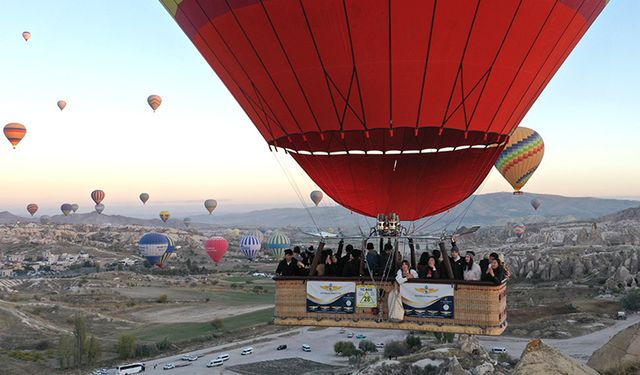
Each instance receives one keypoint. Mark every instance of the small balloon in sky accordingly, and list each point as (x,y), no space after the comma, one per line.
(26,35)
(154,101)
(144,197)
(14,133)
(61,104)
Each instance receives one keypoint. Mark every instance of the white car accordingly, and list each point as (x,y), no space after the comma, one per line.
(247,351)
(215,362)
(189,357)
(306,348)
(224,357)
(168,366)
(350,335)
(498,349)
(380,345)
(343,331)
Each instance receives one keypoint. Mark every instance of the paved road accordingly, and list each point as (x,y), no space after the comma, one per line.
(321,342)
(580,347)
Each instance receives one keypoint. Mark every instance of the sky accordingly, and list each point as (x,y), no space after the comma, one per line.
(105,57)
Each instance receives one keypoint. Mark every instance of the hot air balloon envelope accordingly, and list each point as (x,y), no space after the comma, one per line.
(216,247)
(66,209)
(165,215)
(535,203)
(250,246)
(32,208)
(61,104)
(99,208)
(316,197)
(277,244)
(154,101)
(389,106)
(26,35)
(75,207)
(521,157)
(144,197)
(156,248)
(97,196)
(14,133)
(187,221)
(210,205)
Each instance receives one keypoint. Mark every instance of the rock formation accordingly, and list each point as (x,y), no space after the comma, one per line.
(539,358)
(623,347)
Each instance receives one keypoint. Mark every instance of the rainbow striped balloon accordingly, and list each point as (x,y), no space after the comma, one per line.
(250,246)
(277,244)
(14,133)
(521,157)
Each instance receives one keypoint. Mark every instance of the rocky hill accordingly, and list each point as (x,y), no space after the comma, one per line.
(623,348)
(539,358)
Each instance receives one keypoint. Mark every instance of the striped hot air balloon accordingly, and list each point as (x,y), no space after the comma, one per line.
(250,246)
(257,234)
(14,133)
(277,244)
(216,247)
(521,157)
(156,248)
(519,229)
(32,208)
(97,196)
(154,101)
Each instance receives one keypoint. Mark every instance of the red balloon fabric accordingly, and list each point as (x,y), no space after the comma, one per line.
(216,247)
(389,106)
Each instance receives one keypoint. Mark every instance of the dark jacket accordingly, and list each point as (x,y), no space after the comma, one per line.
(484,264)
(424,272)
(290,269)
(372,260)
(497,278)
(458,268)
(352,268)
(391,270)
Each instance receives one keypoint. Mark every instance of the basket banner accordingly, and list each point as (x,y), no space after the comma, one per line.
(427,301)
(367,296)
(333,297)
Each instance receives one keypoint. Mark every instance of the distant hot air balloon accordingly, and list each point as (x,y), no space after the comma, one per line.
(66,209)
(97,196)
(257,234)
(14,133)
(187,221)
(210,205)
(156,248)
(32,208)
(44,219)
(535,203)
(216,247)
(144,197)
(75,207)
(419,93)
(99,208)
(316,197)
(277,244)
(519,229)
(521,157)
(26,35)
(61,104)
(165,215)
(154,101)
(250,246)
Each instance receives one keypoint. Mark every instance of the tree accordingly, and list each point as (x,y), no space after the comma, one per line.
(126,346)
(163,298)
(413,342)
(94,350)
(65,351)
(217,324)
(344,348)
(367,346)
(80,339)
(395,349)
(631,300)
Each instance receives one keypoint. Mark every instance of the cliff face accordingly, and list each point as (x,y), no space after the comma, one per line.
(622,348)
(538,358)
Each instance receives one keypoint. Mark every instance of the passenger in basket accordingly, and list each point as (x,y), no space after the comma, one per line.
(405,273)
(387,266)
(372,260)
(330,263)
(472,270)
(432,269)
(289,266)
(352,268)
(495,272)
(422,264)
(457,263)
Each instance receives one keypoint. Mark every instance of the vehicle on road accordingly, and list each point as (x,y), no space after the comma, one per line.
(132,368)
(102,371)
(621,315)
(224,357)
(498,349)
(281,347)
(306,348)
(189,357)
(215,362)
(350,335)
(247,351)
(380,345)
(343,331)
(360,336)
(168,366)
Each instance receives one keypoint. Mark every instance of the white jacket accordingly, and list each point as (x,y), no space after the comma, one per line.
(473,274)
(402,280)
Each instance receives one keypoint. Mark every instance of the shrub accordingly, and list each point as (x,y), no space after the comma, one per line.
(164,345)
(631,300)
(395,349)
(367,346)
(413,342)
(42,345)
(163,298)
(217,324)
(26,356)
(126,346)
(629,368)
(345,348)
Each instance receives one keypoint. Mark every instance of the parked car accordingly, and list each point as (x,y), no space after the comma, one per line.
(498,349)
(281,347)
(343,331)
(247,351)
(189,357)
(350,335)
(621,315)
(380,345)
(360,336)
(224,357)
(306,348)
(168,366)
(215,362)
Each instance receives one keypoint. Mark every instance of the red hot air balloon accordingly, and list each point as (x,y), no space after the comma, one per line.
(32,208)
(422,93)
(97,196)
(216,247)
(14,133)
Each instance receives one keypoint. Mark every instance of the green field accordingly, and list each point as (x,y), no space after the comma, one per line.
(175,332)
(226,296)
